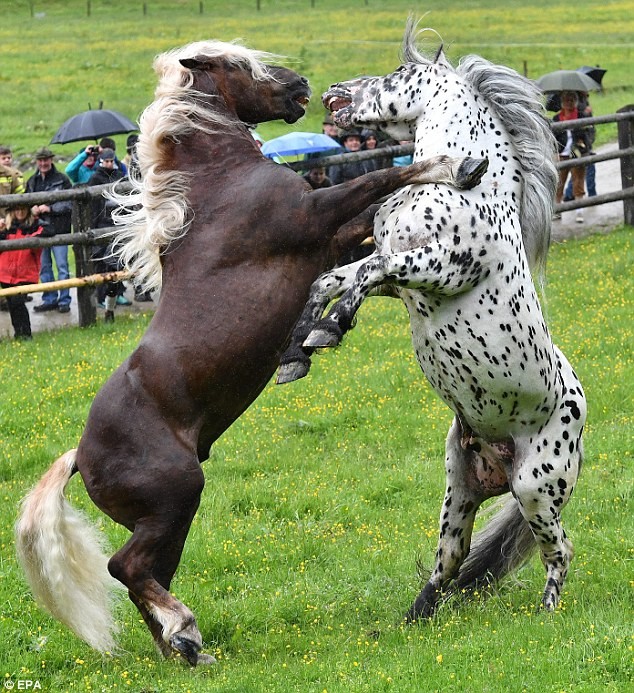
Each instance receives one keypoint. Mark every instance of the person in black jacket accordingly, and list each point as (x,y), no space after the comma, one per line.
(112,293)
(352,141)
(57,216)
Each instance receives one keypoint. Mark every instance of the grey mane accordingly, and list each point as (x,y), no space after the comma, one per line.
(516,101)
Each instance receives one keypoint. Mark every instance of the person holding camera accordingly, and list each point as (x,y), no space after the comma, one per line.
(104,260)
(81,168)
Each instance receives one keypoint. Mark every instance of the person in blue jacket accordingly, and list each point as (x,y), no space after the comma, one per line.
(81,168)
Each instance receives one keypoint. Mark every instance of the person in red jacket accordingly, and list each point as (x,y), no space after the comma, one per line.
(20,266)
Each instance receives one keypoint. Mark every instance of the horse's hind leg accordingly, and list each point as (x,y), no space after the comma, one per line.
(543,481)
(148,561)
(462,499)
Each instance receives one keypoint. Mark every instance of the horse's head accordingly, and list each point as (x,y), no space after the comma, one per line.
(394,102)
(274,93)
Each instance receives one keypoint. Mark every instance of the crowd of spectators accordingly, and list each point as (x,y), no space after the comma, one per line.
(98,164)
(93,165)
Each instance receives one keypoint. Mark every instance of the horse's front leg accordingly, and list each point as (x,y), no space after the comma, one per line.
(340,203)
(329,331)
(436,267)
(295,361)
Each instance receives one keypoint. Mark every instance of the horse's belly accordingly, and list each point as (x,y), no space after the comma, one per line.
(490,374)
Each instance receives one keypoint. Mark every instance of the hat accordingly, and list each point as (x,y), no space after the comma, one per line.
(106,154)
(131,141)
(355,132)
(44,153)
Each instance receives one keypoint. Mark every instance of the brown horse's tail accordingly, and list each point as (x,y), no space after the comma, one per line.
(503,545)
(62,558)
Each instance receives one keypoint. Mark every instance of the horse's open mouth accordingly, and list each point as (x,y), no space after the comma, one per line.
(302,101)
(336,103)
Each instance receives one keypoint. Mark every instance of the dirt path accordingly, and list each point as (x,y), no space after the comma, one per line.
(599,219)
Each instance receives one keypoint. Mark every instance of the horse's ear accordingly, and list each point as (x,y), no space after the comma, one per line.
(440,58)
(193,63)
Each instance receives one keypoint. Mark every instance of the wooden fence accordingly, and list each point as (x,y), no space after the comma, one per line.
(84,236)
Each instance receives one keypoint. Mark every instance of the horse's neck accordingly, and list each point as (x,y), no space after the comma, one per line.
(455,122)
(221,149)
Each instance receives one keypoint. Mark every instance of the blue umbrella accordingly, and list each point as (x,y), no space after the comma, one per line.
(299,143)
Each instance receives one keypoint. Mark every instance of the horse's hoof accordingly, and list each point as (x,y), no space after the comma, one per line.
(425,605)
(470,172)
(186,648)
(109,316)
(320,338)
(289,372)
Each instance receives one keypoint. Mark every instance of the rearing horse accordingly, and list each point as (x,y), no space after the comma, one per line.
(461,262)
(236,241)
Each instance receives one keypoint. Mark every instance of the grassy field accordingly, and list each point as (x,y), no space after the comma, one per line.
(320,501)
(324,496)
(56,60)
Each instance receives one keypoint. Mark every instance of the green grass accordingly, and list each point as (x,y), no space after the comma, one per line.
(58,61)
(320,501)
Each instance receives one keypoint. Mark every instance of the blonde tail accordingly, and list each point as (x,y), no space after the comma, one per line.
(61,556)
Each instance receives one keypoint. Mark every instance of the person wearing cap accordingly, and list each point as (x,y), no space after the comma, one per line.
(57,216)
(352,140)
(102,256)
(131,160)
(329,128)
(109,143)
(19,267)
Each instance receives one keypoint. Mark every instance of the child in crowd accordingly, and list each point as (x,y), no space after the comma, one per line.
(20,266)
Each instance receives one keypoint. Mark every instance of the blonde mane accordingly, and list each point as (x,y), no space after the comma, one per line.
(156,213)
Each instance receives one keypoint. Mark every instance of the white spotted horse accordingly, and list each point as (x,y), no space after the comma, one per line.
(235,240)
(463,264)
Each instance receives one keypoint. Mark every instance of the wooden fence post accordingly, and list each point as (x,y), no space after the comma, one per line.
(82,221)
(626,140)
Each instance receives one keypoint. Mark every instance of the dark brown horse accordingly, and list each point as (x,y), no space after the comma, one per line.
(237,241)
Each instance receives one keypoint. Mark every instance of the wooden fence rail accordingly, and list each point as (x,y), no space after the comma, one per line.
(84,236)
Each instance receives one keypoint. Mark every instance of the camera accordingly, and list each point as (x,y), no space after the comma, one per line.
(93,150)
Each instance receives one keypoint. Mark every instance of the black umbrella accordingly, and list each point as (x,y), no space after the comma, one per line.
(595,72)
(91,125)
(567,80)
